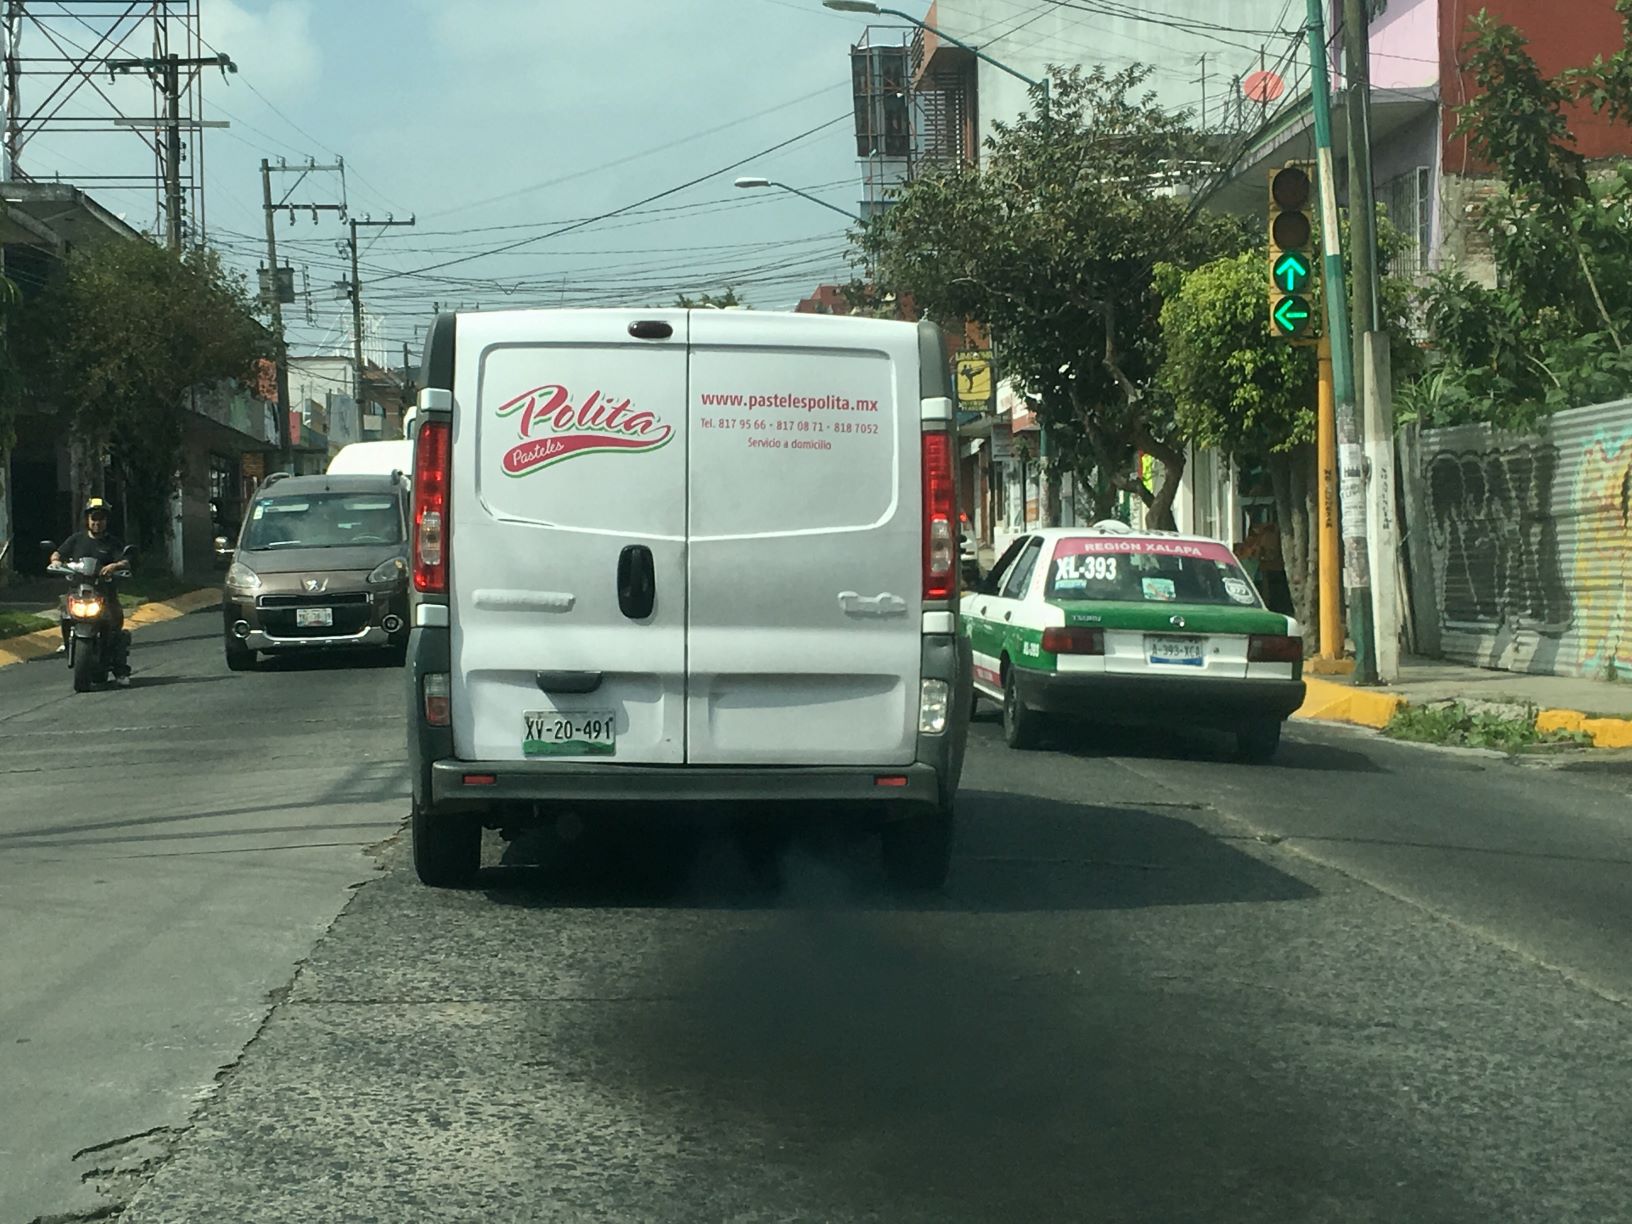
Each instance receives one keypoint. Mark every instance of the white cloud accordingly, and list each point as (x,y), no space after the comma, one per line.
(274,47)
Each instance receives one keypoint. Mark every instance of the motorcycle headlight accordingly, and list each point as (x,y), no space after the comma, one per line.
(390,571)
(84,608)
(241,577)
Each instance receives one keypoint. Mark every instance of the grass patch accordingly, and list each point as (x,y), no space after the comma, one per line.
(1459,727)
(15,624)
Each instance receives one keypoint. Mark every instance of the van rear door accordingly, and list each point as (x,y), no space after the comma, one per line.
(567,538)
(804,606)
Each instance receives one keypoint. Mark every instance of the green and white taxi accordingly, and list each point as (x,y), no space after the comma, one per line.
(1108,624)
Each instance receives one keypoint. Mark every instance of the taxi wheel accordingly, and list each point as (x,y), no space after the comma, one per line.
(1022,728)
(1257,742)
(447,850)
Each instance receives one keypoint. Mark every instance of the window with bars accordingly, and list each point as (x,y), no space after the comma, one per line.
(1409,199)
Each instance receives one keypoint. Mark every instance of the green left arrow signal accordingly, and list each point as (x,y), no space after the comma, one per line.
(1291,316)
(1292,272)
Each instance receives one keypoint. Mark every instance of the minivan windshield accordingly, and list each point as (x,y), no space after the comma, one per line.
(1149,571)
(323,520)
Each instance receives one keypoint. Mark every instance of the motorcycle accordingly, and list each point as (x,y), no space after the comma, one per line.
(86,633)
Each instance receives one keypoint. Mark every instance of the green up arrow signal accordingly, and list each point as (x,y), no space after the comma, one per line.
(1291,315)
(1292,272)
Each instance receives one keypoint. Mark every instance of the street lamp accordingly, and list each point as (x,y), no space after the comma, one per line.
(761,182)
(867,6)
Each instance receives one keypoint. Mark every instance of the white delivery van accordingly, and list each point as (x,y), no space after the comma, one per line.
(687,557)
(373,459)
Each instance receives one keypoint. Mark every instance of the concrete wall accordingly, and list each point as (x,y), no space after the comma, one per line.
(1531,541)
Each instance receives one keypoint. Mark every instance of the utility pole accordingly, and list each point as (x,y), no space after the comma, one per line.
(274,290)
(1350,456)
(166,73)
(355,290)
(1371,347)
(1328,549)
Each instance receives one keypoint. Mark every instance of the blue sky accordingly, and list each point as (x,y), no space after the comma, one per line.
(491,119)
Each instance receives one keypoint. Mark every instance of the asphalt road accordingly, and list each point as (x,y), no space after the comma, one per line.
(1369,982)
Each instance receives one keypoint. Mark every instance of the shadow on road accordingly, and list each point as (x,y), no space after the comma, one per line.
(1015,854)
(139,681)
(329,660)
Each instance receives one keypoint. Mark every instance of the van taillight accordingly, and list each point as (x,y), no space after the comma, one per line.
(431,471)
(940,512)
(1074,641)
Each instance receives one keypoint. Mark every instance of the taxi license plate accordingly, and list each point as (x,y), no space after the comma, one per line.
(314,618)
(1174,651)
(568,733)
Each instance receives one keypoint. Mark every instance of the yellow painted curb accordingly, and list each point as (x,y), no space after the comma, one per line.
(1328,702)
(45,641)
(1605,732)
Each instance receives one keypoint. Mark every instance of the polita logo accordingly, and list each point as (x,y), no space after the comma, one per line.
(554,428)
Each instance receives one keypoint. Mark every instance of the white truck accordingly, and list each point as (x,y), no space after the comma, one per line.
(684,557)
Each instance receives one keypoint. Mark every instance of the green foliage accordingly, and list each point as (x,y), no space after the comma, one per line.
(1051,244)
(1553,332)
(709,301)
(1234,387)
(117,341)
(1455,725)
(15,624)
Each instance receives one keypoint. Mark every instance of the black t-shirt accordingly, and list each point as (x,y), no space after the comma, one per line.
(83,544)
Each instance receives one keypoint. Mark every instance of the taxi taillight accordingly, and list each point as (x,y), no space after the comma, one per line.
(1074,641)
(432,464)
(940,541)
(1274,648)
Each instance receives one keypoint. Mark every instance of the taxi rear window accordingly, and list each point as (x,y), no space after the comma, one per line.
(1148,571)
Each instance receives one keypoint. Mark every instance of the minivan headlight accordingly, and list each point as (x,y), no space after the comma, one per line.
(242,578)
(394,570)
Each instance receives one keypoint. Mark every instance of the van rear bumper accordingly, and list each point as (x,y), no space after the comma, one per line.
(535,781)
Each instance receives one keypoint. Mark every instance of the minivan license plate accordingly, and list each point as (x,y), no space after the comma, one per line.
(1174,651)
(568,733)
(314,618)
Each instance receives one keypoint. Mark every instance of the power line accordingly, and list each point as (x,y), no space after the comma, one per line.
(555,233)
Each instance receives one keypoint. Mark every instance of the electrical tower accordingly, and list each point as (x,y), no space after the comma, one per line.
(61,64)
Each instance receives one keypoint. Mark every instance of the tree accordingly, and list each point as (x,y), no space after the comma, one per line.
(117,341)
(1556,329)
(709,301)
(1051,245)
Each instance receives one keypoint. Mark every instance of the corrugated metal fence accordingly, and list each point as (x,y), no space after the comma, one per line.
(1530,539)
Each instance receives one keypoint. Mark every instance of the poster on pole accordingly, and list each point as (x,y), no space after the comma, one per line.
(973,368)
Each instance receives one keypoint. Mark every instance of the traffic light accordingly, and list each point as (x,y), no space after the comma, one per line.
(1292,251)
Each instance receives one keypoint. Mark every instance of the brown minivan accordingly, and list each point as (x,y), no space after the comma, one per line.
(321,564)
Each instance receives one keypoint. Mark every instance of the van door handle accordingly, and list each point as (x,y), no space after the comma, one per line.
(1008,616)
(637,582)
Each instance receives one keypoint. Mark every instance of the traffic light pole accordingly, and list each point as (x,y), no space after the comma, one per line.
(1350,455)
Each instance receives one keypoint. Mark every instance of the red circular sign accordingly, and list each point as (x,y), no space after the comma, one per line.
(1263,86)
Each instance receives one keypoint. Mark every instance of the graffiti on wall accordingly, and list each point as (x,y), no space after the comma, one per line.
(1603,554)
(1531,542)
(1495,540)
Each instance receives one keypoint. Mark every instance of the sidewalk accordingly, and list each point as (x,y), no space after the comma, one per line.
(1602,710)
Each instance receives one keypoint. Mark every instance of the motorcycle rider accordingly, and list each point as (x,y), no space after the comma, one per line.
(97,541)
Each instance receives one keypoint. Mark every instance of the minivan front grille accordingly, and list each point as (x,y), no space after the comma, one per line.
(317,600)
